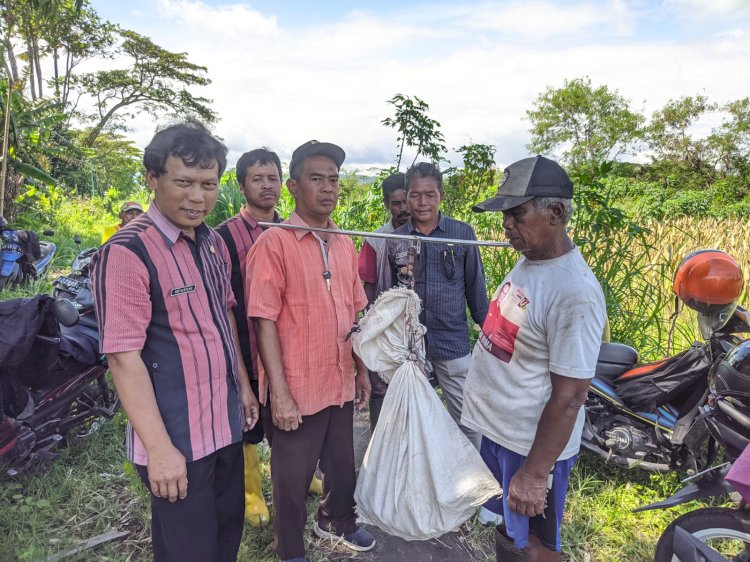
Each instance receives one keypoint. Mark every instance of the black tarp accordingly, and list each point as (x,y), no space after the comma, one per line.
(673,382)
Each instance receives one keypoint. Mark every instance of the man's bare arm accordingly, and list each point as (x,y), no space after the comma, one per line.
(167,471)
(528,487)
(284,410)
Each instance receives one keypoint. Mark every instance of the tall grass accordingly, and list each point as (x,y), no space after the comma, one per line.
(91,489)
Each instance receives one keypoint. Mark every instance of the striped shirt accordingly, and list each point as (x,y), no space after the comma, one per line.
(240,233)
(448,277)
(160,293)
(285,284)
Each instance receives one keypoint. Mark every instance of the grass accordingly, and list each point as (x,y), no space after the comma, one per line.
(91,489)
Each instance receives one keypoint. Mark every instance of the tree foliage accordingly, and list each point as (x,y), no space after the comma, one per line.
(591,125)
(156,81)
(416,129)
(64,126)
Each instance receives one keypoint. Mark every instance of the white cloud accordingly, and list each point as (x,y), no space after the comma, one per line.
(279,84)
(231,20)
(544,19)
(698,9)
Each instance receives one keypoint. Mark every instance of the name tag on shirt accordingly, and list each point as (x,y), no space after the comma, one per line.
(182,290)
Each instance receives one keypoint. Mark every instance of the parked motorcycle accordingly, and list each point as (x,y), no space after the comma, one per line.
(647,416)
(76,287)
(727,416)
(52,379)
(23,257)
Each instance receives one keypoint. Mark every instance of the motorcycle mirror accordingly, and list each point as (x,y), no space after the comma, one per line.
(77,240)
(65,312)
(49,232)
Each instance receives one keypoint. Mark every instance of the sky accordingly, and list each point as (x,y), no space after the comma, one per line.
(287,71)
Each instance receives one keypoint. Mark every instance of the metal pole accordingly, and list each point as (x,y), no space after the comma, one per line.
(6,143)
(410,237)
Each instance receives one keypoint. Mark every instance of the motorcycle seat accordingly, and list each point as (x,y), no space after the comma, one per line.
(46,249)
(614,360)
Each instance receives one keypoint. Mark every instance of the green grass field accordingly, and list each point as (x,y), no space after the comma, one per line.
(91,489)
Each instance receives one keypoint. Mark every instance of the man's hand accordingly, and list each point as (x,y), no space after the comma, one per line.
(167,473)
(527,493)
(284,412)
(250,408)
(362,389)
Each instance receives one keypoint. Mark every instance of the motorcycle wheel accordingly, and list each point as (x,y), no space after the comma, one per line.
(723,529)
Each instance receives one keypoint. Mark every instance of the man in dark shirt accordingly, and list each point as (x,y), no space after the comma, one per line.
(376,274)
(259,177)
(447,278)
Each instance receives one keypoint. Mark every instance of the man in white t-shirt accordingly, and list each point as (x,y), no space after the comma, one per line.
(535,358)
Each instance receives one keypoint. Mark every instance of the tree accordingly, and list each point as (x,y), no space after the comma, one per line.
(686,160)
(33,141)
(156,81)
(68,30)
(466,186)
(415,129)
(591,125)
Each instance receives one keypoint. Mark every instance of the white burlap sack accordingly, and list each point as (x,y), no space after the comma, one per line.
(421,477)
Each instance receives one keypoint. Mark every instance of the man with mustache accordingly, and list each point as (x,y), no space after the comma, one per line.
(164,304)
(259,177)
(447,278)
(304,294)
(376,273)
(534,360)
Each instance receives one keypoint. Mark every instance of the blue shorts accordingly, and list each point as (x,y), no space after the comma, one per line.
(504,463)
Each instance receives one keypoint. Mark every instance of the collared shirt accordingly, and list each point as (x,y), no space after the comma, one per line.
(448,277)
(240,233)
(285,284)
(373,260)
(158,292)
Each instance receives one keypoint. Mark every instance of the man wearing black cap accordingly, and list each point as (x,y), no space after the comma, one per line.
(536,357)
(304,294)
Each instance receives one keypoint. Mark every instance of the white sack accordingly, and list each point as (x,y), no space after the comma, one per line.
(421,477)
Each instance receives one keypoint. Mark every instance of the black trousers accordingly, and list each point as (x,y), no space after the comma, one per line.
(326,436)
(207,525)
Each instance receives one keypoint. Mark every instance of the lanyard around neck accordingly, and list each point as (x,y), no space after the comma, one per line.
(324,254)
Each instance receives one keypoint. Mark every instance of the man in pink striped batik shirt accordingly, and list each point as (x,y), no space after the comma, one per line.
(259,177)
(163,300)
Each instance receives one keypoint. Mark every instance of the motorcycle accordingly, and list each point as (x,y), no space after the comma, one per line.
(727,418)
(647,416)
(76,287)
(52,380)
(23,257)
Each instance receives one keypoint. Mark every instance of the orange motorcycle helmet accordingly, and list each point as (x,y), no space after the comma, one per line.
(710,282)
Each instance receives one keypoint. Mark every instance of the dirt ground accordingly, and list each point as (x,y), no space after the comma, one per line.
(469,544)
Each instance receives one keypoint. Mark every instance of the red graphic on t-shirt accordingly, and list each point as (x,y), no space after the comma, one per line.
(498,332)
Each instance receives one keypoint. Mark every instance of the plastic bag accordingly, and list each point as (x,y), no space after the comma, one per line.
(421,477)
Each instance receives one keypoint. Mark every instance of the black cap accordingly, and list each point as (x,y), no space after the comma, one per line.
(528,178)
(315,148)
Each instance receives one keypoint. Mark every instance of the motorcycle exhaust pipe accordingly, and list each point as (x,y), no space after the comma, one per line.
(619,460)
